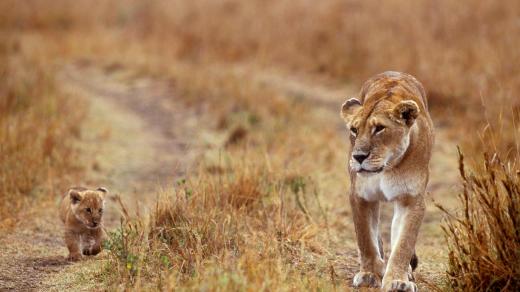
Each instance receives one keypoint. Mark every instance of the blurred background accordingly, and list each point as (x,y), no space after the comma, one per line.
(465,53)
(257,80)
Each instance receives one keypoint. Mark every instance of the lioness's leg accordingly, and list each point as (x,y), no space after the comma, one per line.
(409,219)
(397,220)
(399,212)
(366,221)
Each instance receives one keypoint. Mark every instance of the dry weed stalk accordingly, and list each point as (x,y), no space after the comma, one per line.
(484,237)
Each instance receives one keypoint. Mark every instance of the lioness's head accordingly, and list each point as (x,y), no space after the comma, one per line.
(379,132)
(87,205)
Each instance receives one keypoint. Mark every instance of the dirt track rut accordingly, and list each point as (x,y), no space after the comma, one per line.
(136,138)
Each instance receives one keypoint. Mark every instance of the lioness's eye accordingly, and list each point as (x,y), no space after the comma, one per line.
(100,210)
(378,129)
(353,130)
(88,210)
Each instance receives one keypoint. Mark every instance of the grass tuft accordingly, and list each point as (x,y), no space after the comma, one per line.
(484,237)
(235,223)
(38,123)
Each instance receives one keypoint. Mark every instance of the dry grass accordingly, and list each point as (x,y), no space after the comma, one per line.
(223,232)
(37,125)
(248,218)
(484,237)
(226,226)
(465,53)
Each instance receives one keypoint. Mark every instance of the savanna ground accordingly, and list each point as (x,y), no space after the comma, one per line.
(217,125)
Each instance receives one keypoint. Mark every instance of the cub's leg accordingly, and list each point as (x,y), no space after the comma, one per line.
(409,212)
(366,223)
(72,241)
(93,249)
(92,245)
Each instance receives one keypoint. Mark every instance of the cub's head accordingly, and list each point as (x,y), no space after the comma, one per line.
(87,205)
(379,132)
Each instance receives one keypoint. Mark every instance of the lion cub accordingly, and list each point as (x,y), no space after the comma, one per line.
(82,212)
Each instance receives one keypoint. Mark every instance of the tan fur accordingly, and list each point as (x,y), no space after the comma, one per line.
(391,133)
(82,212)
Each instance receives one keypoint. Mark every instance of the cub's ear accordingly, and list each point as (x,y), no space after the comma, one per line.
(350,107)
(75,196)
(406,111)
(103,190)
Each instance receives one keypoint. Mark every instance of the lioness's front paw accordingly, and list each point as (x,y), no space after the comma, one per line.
(400,286)
(366,279)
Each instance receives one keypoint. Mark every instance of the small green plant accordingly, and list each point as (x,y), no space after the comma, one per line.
(123,245)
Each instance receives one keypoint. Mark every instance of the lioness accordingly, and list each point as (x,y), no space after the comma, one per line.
(391,134)
(82,213)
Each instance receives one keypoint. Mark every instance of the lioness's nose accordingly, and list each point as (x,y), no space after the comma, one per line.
(360,157)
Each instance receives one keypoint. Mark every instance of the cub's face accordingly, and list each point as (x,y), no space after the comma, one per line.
(87,206)
(379,133)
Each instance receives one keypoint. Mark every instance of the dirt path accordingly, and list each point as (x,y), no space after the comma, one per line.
(136,138)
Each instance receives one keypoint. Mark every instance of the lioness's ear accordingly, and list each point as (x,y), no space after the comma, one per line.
(407,111)
(75,196)
(349,107)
